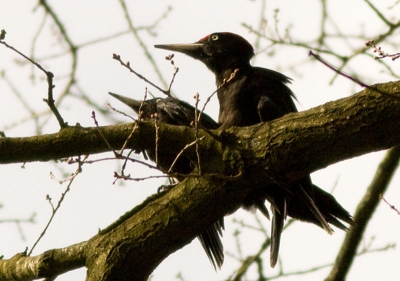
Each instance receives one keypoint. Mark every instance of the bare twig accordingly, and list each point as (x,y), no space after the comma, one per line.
(50,100)
(21,54)
(247,262)
(120,112)
(120,157)
(55,209)
(123,169)
(139,119)
(128,66)
(176,69)
(196,132)
(318,57)
(98,129)
(182,151)
(359,82)
(157,137)
(74,61)
(390,205)
(233,74)
(382,54)
(129,137)
(140,113)
(140,179)
(61,181)
(137,123)
(133,29)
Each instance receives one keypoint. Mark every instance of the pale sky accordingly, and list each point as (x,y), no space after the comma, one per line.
(94,202)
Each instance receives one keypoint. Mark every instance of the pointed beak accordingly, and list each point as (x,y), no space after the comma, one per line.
(134,104)
(191,49)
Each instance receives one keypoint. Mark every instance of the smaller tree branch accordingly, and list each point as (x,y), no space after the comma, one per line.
(50,263)
(128,66)
(54,210)
(365,210)
(50,100)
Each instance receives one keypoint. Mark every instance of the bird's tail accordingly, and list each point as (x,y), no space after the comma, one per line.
(318,207)
(300,200)
(276,196)
(210,239)
(333,212)
(278,208)
(314,209)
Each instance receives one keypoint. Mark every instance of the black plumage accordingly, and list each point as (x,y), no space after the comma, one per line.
(176,112)
(257,95)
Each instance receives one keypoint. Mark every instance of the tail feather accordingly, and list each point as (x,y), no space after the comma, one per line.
(310,209)
(212,245)
(260,205)
(278,219)
(334,212)
(303,201)
(315,210)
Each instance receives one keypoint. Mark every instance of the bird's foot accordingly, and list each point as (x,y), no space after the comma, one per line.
(165,188)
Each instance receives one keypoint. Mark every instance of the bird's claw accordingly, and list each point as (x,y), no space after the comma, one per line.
(165,188)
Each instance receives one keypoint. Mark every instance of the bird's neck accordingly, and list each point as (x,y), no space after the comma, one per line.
(230,74)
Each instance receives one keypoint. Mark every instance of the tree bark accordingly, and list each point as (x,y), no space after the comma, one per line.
(234,162)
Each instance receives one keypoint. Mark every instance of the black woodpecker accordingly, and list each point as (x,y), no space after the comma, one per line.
(176,112)
(257,95)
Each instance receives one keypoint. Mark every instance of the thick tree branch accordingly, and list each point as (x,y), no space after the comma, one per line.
(239,160)
(316,138)
(133,249)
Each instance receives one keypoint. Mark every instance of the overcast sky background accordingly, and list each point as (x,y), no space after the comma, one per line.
(94,202)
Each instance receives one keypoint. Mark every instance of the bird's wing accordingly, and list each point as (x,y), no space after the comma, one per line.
(264,109)
(273,97)
(180,112)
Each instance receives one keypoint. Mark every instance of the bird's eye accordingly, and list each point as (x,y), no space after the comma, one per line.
(214,37)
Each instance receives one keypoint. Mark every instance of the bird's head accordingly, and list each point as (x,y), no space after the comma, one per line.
(218,51)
